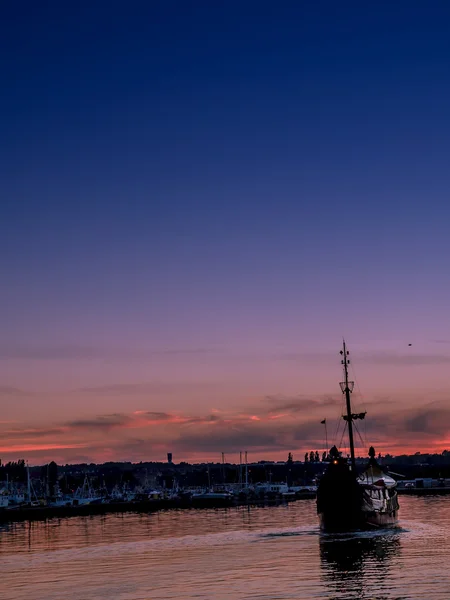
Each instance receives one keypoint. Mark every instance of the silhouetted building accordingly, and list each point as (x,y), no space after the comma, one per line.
(169,458)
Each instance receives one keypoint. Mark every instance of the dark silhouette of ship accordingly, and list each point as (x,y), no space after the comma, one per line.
(348,501)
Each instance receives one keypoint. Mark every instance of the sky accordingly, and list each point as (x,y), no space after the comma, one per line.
(199,201)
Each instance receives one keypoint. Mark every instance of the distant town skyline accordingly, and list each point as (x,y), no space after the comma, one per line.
(199,201)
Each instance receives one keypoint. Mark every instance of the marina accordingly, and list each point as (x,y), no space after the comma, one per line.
(26,512)
(146,504)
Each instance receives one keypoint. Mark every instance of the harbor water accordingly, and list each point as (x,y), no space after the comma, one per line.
(256,553)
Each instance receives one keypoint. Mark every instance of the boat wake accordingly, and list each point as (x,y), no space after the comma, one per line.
(299,531)
(153,546)
(363,534)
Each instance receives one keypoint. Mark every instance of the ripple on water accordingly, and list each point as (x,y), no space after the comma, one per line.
(239,553)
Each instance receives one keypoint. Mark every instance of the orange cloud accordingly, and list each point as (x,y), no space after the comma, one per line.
(270,429)
(27,448)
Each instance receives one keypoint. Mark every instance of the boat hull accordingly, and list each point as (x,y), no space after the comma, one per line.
(343,504)
(361,520)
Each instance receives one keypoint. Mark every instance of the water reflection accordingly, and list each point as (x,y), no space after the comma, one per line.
(273,552)
(356,566)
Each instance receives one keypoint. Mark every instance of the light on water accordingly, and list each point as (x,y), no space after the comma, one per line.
(239,553)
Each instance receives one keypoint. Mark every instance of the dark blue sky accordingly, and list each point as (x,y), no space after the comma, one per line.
(240,177)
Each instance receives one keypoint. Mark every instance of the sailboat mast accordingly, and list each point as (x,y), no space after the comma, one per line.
(28,483)
(347,392)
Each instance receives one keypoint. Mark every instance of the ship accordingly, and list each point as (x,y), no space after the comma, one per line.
(346,500)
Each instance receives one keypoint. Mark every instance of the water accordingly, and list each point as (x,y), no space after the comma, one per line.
(249,554)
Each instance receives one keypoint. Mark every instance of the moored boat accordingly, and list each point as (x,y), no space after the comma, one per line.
(346,500)
(86,495)
(212,495)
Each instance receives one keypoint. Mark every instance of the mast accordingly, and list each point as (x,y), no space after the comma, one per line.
(240,468)
(246,470)
(347,389)
(223,468)
(28,483)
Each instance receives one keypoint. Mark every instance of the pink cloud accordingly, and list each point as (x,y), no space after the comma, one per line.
(30,448)
(265,431)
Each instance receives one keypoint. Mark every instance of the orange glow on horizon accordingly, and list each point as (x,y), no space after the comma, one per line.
(267,430)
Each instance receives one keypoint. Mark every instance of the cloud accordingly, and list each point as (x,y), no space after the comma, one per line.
(104,422)
(155,416)
(123,389)
(230,440)
(137,420)
(391,358)
(33,433)
(203,420)
(297,404)
(226,438)
(81,352)
(129,389)
(277,425)
(410,428)
(36,449)
(313,358)
(431,421)
(184,432)
(6,390)
(377,358)
(176,351)
(311,431)
(64,352)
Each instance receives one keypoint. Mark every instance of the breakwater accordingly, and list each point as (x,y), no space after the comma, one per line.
(424,491)
(31,513)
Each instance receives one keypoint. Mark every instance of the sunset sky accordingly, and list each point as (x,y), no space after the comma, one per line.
(199,201)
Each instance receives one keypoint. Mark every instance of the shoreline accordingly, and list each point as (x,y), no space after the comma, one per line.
(425,491)
(42,513)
